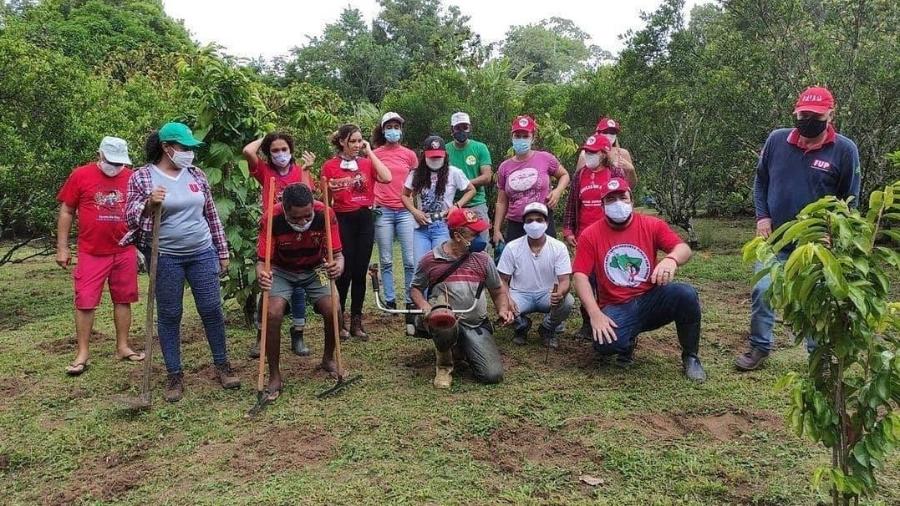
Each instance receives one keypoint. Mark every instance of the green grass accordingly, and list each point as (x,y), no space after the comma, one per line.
(650,435)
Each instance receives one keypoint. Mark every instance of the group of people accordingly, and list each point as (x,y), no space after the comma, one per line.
(434,204)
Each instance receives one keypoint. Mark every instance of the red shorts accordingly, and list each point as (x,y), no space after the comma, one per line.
(92,271)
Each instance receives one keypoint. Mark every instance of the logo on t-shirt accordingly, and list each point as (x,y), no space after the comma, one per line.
(108,199)
(626,265)
(524,179)
(821,165)
(194,187)
(470,160)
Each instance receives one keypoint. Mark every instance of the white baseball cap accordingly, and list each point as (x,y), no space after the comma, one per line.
(388,116)
(459,117)
(115,150)
(536,207)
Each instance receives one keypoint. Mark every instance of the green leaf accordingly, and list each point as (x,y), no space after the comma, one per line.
(834,278)
(214,175)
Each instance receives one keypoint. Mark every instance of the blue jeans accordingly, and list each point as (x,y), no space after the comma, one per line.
(201,271)
(427,237)
(389,223)
(762,317)
(539,302)
(661,305)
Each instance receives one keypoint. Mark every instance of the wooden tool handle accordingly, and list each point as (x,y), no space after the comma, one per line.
(264,314)
(334,295)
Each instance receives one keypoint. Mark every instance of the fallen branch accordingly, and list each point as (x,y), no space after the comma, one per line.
(7,258)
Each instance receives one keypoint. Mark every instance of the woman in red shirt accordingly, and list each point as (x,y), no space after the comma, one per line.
(351,182)
(618,156)
(278,161)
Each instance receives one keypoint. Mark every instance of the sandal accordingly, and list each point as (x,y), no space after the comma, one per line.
(132,357)
(77,369)
(272,396)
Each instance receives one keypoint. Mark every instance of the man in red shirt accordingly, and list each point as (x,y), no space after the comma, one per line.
(635,292)
(96,193)
(298,260)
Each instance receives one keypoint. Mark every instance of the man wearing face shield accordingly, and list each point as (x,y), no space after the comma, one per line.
(536,269)
(298,261)
(636,293)
(96,193)
(797,166)
(453,276)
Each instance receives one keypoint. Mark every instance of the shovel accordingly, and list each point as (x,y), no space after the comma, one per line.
(142,402)
(262,394)
(342,382)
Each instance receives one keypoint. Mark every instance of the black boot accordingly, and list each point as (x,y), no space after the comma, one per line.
(410,319)
(254,350)
(297,344)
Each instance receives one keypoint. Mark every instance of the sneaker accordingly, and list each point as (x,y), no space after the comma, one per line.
(174,387)
(227,377)
(550,338)
(391,304)
(751,360)
(692,368)
(442,377)
(624,360)
(522,333)
(297,344)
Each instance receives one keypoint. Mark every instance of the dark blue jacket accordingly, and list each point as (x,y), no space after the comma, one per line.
(788,179)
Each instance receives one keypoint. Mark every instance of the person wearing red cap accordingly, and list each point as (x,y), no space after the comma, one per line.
(618,156)
(453,276)
(584,205)
(525,178)
(635,292)
(797,166)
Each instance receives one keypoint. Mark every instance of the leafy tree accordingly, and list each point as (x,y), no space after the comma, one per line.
(551,51)
(835,288)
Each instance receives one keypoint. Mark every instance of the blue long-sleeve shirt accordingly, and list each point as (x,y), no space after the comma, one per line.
(789,178)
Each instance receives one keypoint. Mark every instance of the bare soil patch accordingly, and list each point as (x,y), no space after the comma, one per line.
(512,446)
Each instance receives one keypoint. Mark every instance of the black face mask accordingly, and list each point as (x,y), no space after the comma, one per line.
(460,136)
(810,127)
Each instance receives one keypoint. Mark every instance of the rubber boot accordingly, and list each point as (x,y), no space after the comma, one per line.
(356,328)
(254,349)
(345,330)
(410,319)
(297,344)
(443,370)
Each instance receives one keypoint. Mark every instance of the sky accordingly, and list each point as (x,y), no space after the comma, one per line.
(271,28)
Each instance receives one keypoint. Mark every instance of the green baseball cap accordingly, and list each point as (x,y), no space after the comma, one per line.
(180,133)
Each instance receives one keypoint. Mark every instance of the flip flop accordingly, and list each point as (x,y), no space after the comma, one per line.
(131,357)
(272,396)
(77,369)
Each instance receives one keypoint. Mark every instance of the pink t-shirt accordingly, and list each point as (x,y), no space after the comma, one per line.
(526,181)
(400,160)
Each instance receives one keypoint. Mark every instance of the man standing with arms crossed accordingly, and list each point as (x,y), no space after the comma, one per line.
(797,166)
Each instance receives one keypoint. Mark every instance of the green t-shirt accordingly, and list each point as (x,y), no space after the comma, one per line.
(469,159)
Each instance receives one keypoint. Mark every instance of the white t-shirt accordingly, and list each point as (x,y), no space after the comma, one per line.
(456,181)
(534,273)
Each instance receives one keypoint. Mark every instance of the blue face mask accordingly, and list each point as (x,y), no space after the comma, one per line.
(393,135)
(477,244)
(521,146)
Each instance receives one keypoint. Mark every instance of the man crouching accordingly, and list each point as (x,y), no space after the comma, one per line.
(453,275)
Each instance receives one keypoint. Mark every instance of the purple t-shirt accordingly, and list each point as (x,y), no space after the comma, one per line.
(526,181)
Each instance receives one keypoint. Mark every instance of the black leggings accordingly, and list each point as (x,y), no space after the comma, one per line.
(357,239)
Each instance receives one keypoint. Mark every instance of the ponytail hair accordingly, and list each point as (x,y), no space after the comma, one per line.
(153,150)
(342,134)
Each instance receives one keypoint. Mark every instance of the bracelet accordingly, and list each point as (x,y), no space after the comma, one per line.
(672,259)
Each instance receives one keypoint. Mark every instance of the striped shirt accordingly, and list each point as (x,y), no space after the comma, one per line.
(459,289)
(140,225)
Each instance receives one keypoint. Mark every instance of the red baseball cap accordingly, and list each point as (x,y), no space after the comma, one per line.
(596,143)
(434,146)
(608,124)
(458,218)
(614,185)
(524,123)
(815,99)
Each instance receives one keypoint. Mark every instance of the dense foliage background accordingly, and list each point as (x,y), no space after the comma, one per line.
(696,98)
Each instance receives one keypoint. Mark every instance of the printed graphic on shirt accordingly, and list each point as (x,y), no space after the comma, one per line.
(110,205)
(356,183)
(432,203)
(822,165)
(194,187)
(626,265)
(470,160)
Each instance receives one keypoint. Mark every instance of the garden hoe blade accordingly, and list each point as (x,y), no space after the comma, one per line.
(340,385)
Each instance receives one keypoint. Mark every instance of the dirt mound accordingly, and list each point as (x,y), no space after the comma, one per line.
(68,344)
(722,427)
(263,452)
(512,447)
(106,478)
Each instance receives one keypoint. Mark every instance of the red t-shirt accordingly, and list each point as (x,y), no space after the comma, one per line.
(350,188)
(623,259)
(262,171)
(297,251)
(99,201)
(591,205)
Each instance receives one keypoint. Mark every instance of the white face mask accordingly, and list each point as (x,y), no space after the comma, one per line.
(182,159)
(535,229)
(611,138)
(302,228)
(592,160)
(281,159)
(349,164)
(434,163)
(619,211)
(110,169)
